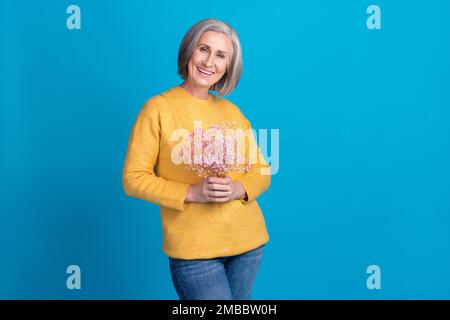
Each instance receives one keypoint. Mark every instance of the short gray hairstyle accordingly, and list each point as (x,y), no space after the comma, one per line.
(231,77)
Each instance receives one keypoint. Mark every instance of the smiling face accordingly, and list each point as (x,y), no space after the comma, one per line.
(209,60)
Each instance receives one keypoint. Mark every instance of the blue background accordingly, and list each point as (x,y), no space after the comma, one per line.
(364,144)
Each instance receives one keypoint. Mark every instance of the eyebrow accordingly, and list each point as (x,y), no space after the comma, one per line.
(204,44)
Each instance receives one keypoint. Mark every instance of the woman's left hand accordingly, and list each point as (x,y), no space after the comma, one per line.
(237,189)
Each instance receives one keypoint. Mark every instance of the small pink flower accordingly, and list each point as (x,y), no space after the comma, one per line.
(214,158)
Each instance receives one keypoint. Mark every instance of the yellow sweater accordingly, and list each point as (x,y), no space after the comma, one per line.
(192,230)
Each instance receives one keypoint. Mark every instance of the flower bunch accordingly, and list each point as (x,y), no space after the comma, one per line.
(216,151)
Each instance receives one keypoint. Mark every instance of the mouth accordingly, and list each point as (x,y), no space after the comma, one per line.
(205,72)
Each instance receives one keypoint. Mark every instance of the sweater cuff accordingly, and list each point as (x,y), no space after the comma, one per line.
(247,184)
(176,196)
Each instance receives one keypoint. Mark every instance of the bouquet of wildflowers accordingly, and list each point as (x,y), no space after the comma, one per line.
(216,151)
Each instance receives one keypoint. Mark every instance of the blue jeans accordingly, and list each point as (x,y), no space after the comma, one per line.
(223,278)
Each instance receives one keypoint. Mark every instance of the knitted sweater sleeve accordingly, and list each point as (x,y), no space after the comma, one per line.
(138,177)
(257,180)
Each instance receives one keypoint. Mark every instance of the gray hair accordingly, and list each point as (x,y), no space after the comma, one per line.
(231,77)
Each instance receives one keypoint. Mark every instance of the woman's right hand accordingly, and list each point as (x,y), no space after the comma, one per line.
(211,189)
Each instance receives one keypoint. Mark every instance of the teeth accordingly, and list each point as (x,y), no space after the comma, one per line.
(205,72)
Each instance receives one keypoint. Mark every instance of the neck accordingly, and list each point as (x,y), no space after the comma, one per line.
(198,92)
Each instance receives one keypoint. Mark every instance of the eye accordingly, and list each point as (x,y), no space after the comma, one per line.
(203,49)
(221,55)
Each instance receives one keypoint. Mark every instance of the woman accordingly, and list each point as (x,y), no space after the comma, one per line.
(213,229)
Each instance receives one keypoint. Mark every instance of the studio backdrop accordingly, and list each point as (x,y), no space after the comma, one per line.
(354,97)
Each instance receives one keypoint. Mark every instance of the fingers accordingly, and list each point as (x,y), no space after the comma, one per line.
(218,197)
(218,180)
(218,194)
(225,199)
(218,187)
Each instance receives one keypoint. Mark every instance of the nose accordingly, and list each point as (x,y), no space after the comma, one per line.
(208,61)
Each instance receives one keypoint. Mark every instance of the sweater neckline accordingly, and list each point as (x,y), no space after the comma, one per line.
(189,96)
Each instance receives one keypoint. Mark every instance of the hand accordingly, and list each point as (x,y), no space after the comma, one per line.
(211,189)
(237,189)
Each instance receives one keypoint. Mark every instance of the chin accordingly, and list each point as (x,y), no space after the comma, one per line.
(204,84)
